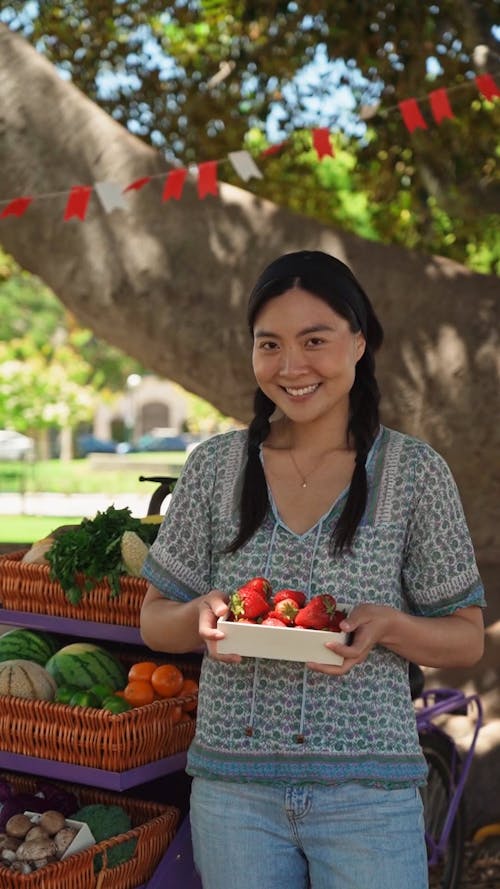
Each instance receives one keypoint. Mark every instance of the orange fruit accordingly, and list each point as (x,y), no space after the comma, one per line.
(175,714)
(167,680)
(142,670)
(139,692)
(189,687)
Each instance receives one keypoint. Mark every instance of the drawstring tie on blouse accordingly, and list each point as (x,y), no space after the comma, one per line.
(299,738)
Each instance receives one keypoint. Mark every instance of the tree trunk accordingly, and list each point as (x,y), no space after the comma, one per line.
(167,282)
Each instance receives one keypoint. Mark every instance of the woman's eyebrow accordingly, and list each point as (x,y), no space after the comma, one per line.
(315,328)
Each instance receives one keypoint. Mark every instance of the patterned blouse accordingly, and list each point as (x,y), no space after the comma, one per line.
(412,551)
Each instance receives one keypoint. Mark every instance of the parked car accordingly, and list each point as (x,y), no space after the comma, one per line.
(15,446)
(152,442)
(89,444)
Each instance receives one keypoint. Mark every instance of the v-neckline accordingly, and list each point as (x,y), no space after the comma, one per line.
(332,508)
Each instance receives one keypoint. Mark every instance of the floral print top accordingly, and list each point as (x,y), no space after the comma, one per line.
(412,551)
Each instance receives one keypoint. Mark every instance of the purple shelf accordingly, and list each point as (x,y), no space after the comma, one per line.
(66,771)
(70,627)
(176,869)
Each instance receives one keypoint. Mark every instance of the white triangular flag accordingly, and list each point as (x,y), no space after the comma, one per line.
(111,196)
(244,165)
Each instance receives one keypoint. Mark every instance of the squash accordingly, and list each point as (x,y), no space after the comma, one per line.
(36,555)
(26,679)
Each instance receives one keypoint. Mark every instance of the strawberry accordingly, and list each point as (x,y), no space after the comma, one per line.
(318,614)
(272,620)
(250,600)
(261,584)
(286,609)
(296,595)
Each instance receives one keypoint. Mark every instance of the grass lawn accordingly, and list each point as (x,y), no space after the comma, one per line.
(76,477)
(81,477)
(26,529)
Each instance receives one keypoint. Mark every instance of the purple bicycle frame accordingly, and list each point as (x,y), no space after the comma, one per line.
(436,702)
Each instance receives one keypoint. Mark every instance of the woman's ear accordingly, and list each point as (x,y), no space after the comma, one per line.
(360,345)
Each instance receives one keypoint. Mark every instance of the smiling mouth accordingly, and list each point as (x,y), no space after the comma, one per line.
(304,390)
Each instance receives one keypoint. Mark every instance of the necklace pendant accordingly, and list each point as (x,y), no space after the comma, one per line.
(304,484)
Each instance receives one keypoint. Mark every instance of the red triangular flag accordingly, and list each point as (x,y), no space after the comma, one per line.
(274,149)
(440,106)
(412,116)
(174,183)
(78,202)
(16,207)
(321,142)
(207,179)
(487,86)
(137,184)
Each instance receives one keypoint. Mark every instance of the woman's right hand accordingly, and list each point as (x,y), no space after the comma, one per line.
(211,607)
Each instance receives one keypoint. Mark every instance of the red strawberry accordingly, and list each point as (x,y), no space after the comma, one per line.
(250,601)
(272,620)
(261,584)
(318,614)
(287,609)
(296,595)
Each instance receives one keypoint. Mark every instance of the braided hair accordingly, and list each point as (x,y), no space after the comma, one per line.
(332,281)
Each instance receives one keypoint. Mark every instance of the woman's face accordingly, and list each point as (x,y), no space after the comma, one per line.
(304,355)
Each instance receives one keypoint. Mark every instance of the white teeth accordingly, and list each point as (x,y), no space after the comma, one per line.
(305,391)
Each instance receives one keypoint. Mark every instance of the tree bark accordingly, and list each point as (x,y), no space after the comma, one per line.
(167,281)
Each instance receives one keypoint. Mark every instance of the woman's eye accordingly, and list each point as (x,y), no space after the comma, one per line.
(268,346)
(315,341)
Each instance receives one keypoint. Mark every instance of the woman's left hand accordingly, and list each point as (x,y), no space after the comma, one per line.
(368,625)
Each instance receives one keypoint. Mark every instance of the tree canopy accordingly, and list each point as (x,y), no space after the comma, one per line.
(200,78)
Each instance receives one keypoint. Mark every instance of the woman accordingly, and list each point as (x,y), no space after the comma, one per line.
(308,774)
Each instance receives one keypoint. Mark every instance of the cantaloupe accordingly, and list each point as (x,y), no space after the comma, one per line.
(26,679)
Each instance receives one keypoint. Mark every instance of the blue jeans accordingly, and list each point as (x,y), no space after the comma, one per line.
(256,836)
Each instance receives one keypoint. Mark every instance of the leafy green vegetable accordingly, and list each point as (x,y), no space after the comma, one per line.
(107,821)
(92,549)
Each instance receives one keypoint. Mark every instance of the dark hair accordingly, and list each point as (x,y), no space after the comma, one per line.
(332,281)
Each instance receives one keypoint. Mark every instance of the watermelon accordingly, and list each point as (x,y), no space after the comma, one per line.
(25,679)
(29,645)
(84,664)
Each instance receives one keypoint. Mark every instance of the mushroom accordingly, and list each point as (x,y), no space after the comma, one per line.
(7,842)
(52,821)
(36,849)
(64,838)
(18,826)
(22,867)
(36,833)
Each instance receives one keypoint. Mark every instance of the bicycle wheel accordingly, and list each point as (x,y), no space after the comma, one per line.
(444,767)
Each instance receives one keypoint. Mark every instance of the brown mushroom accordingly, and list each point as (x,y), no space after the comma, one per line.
(18,826)
(7,842)
(36,833)
(52,821)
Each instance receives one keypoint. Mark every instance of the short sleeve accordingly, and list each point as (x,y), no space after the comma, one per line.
(439,571)
(179,561)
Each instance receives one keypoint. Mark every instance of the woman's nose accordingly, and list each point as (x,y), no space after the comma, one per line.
(292,362)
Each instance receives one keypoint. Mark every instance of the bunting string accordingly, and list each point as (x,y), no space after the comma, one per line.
(113,196)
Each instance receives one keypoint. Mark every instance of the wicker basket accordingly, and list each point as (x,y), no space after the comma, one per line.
(153,828)
(87,736)
(28,587)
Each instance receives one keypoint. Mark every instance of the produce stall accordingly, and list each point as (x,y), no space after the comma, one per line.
(75,637)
